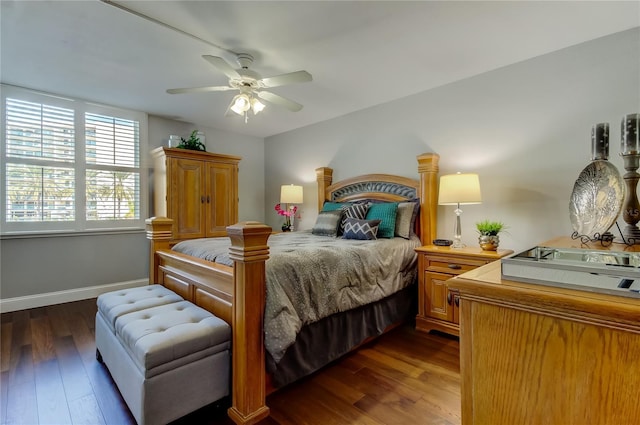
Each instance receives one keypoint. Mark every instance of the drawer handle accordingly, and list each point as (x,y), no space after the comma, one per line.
(454,266)
(449,298)
(208,199)
(457,300)
(202,199)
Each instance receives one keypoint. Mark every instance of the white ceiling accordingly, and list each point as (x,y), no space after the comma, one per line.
(360,53)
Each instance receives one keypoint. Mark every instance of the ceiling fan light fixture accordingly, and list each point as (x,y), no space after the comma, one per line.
(250,85)
(256,105)
(240,104)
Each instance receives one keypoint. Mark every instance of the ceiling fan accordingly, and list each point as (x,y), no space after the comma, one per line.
(250,85)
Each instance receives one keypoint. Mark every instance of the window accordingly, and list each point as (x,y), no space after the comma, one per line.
(69,165)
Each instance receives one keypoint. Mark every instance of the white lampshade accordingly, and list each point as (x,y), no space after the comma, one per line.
(291,194)
(256,105)
(459,189)
(240,104)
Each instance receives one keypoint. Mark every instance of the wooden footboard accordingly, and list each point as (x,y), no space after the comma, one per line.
(237,295)
(204,283)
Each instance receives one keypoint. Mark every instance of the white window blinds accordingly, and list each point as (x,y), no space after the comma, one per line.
(39,131)
(113,172)
(39,137)
(69,165)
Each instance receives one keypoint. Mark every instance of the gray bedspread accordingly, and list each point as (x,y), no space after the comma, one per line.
(310,277)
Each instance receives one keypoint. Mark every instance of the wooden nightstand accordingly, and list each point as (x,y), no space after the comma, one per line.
(438,305)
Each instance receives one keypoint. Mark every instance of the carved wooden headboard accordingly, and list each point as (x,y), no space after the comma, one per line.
(387,187)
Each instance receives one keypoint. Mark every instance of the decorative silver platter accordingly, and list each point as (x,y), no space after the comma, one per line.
(596,199)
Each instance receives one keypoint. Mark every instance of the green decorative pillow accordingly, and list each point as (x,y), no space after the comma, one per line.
(332,206)
(386,213)
(327,223)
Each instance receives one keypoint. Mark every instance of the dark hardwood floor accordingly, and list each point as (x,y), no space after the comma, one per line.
(49,375)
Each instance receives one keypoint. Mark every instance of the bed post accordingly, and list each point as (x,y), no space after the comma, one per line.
(324,177)
(428,169)
(249,252)
(160,233)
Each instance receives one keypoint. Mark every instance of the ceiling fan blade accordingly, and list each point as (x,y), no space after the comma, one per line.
(290,78)
(199,89)
(223,66)
(279,100)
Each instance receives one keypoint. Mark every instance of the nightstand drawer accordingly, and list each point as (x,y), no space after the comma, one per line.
(453,265)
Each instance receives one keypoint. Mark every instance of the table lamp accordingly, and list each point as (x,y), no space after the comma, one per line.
(290,194)
(458,189)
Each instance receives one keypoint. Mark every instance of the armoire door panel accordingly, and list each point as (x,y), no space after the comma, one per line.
(189,193)
(222,210)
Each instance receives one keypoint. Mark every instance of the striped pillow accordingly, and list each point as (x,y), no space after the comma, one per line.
(357,211)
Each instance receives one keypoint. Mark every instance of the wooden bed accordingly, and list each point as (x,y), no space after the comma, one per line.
(237,295)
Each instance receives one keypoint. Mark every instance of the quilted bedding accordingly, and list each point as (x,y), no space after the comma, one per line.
(311,277)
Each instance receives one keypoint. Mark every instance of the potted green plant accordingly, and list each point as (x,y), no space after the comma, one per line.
(489,239)
(193,143)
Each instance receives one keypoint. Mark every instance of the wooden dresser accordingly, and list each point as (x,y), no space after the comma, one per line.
(198,190)
(438,304)
(537,354)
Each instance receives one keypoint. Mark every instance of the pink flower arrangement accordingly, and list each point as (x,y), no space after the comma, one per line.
(286,213)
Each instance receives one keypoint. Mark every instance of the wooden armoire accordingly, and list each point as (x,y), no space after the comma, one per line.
(198,190)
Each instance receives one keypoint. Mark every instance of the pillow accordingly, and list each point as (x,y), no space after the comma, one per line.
(360,229)
(332,206)
(327,223)
(386,213)
(357,211)
(406,218)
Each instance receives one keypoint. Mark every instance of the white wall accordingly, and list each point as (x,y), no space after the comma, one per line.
(34,268)
(525,129)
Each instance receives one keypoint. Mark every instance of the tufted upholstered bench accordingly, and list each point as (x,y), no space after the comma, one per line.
(167,356)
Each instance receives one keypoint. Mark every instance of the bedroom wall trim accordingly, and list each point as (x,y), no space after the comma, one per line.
(58,297)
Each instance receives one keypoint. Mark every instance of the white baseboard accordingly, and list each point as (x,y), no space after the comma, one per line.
(51,298)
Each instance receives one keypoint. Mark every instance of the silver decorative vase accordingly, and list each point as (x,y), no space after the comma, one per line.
(489,242)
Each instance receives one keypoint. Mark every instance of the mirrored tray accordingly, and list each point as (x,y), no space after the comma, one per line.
(613,272)
(596,199)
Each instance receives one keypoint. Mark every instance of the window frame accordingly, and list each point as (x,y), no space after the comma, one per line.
(80,224)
